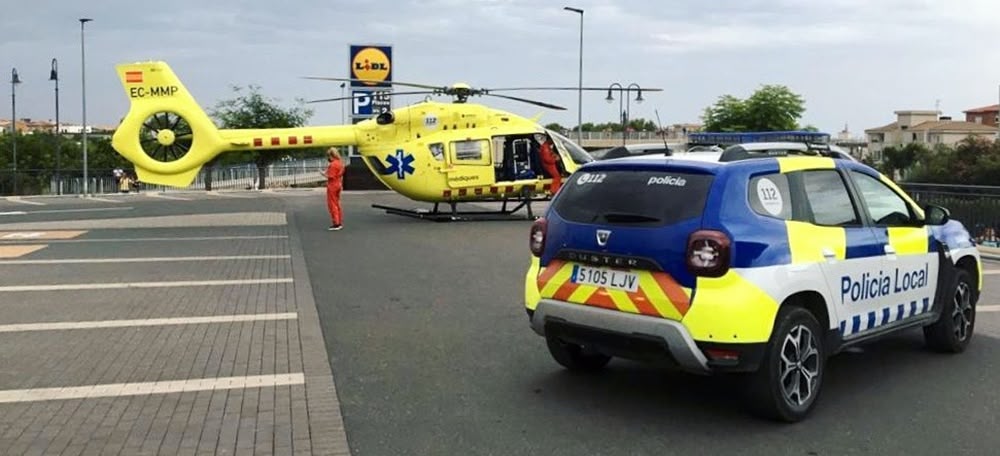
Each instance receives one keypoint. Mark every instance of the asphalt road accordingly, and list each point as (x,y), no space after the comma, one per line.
(432,354)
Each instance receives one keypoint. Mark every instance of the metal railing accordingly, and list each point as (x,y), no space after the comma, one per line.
(976,206)
(241,177)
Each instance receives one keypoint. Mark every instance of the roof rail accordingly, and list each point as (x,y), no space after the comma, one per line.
(812,150)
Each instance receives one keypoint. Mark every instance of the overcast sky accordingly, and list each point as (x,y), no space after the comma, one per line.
(854,61)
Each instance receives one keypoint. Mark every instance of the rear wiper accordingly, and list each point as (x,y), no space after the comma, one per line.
(623,217)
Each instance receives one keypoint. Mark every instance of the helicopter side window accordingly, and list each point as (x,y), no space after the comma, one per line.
(437,151)
(472,152)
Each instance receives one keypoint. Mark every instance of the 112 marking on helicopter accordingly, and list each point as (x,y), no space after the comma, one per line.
(428,151)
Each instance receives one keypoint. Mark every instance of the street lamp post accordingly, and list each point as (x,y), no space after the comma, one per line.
(83,94)
(14,81)
(623,98)
(343,104)
(579,95)
(54,76)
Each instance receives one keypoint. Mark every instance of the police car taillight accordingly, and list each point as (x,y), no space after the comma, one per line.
(537,240)
(708,253)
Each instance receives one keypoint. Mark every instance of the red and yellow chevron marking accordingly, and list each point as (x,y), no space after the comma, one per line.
(659,295)
(495,190)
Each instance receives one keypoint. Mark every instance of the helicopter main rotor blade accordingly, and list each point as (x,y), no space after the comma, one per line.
(525,100)
(651,89)
(404,84)
(391,94)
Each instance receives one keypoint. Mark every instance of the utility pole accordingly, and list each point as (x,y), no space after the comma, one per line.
(83,80)
(579,95)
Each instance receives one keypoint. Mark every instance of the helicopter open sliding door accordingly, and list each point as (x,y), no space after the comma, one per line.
(471,163)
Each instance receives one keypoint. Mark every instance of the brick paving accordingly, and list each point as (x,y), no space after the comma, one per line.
(286,419)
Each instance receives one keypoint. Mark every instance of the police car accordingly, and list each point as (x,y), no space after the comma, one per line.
(751,263)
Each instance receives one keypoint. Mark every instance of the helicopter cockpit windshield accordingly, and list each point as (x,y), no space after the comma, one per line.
(580,156)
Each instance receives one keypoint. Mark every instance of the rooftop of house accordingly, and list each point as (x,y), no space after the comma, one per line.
(945,125)
(984,109)
(953,125)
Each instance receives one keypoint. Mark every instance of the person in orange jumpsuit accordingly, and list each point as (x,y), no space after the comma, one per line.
(547,154)
(334,185)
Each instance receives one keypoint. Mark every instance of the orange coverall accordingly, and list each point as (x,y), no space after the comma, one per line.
(548,157)
(334,185)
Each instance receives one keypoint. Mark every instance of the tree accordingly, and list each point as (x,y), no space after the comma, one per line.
(900,159)
(555,127)
(36,160)
(769,108)
(973,161)
(250,109)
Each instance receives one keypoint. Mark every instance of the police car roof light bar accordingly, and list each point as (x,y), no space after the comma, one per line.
(731,138)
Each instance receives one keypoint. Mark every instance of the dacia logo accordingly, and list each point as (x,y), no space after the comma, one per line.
(602,237)
(371,65)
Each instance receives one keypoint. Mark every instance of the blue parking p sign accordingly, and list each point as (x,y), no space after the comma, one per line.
(367,103)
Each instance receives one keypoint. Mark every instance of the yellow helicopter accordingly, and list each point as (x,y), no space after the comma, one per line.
(428,151)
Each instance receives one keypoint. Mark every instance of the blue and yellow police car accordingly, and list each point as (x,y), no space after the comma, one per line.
(759,263)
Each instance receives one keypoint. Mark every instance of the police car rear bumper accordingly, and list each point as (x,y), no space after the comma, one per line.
(619,333)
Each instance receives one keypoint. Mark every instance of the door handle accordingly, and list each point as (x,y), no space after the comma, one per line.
(889,250)
(829,254)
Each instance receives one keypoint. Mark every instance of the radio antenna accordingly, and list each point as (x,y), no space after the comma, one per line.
(663,134)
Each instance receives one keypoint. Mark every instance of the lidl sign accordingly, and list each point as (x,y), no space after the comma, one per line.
(372,64)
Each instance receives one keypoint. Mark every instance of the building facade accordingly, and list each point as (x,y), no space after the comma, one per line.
(986,115)
(924,127)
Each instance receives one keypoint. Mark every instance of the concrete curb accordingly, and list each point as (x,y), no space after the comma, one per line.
(989,253)
(326,421)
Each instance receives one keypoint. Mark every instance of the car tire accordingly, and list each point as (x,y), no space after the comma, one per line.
(794,354)
(575,357)
(953,330)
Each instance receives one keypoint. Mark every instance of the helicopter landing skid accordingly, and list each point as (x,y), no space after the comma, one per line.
(455,215)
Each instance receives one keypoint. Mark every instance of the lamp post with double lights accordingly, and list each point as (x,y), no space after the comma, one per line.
(623,98)
(579,100)
(14,81)
(54,76)
(83,92)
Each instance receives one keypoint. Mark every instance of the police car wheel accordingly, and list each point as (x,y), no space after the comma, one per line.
(952,331)
(786,385)
(575,357)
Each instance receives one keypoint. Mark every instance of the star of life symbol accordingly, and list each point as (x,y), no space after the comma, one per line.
(399,164)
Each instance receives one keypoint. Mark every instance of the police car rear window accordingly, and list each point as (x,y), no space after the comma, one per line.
(644,198)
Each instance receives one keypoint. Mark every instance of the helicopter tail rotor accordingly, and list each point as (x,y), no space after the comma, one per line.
(165,134)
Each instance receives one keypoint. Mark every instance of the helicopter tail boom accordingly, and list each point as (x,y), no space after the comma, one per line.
(168,137)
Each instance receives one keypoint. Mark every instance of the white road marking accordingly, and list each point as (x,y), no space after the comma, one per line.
(17,199)
(62,325)
(104,199)
(214,219)
(24,235)
(987,308)
(160,195)
(163,239)
(148,259)
(143,388)
(230,194)
(120,285)
(57,211)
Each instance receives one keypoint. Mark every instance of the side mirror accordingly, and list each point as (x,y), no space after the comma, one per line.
(936,215)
